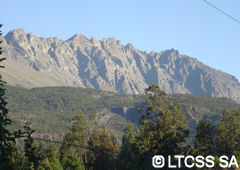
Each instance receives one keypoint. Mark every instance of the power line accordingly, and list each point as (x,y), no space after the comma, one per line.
(223,12)
(87,147)
(58,142)
(130,155)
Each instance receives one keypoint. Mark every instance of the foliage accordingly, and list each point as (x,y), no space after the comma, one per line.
(126,159)
(201,106)
(163,127)
(78,137)
(227,134)
(203,144)
(30,147)
(51,109)
(102,151)
(9,158)
(6,138)
(52,159)
(73,162)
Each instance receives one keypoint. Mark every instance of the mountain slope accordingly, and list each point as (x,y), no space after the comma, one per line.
(109,65)
(51,109)
(18,74)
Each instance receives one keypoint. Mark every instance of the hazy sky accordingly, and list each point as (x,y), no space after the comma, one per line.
(191,26)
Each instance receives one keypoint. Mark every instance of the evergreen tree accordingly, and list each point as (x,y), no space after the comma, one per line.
(102,152)
(7,139)
(163,129)
(203,144)
(73,162)
(30,147)
(65,148)
(46,165)
(80,129)
(227,134)
(78,137)
(51,162)
(17,160)
(126,158)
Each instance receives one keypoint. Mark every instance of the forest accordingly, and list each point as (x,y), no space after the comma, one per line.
(163,129)
(52,109)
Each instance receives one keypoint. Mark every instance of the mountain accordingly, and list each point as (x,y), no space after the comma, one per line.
(111,66)
(52,109)
(18,74)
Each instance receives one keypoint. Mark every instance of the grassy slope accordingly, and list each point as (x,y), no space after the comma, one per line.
(18,74)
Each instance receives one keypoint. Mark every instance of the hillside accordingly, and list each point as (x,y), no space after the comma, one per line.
(18,74)
(112,66)
(51,109)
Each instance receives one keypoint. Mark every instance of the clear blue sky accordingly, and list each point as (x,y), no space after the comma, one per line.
(191,26)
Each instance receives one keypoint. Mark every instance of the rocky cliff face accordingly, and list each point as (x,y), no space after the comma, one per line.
(112,66)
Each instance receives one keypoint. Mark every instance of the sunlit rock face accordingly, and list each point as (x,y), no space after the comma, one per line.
(112,66)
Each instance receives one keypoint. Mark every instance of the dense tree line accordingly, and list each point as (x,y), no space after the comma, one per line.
(51,109)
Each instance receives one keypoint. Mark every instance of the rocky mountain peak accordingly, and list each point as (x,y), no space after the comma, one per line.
(96,43)
(78,38)
(16,36)
(109,65)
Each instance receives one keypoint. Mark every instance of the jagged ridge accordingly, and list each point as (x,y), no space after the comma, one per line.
(112,66)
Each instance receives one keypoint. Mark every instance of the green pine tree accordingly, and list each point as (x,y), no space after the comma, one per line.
(102,151)
(126,158)
(73,161)
(8,155)
(164,127)
(78,136)
(227,134)
(30,147)
(51,162)
(203,144)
